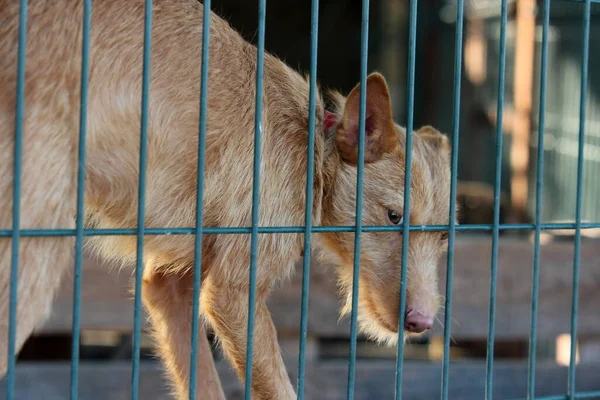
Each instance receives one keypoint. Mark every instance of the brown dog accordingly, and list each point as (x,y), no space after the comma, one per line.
(49,166)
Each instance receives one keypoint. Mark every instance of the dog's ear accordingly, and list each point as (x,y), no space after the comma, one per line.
(434,138)
(380,133)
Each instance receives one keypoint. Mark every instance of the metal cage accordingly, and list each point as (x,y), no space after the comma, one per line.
(254,230)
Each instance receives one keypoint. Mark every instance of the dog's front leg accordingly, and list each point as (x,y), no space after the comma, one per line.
(168,300)
(227,309)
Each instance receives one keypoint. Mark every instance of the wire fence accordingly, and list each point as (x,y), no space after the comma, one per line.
(254,230)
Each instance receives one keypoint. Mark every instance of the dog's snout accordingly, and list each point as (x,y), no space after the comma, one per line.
(415,322)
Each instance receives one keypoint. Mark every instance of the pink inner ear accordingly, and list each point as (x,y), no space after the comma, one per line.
(369,124)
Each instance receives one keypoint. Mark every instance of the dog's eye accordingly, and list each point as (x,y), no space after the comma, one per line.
(444,236)
(394,218)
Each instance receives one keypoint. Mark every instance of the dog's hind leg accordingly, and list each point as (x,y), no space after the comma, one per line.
(47,201)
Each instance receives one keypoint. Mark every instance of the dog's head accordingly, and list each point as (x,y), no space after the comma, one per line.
(383,204)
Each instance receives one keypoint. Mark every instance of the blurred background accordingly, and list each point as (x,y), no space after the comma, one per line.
(107,312)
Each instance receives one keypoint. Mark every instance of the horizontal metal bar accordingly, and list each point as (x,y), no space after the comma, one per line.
(582,395)
(295,229)
(588,395)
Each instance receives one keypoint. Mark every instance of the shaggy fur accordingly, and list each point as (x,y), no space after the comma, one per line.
(50,160)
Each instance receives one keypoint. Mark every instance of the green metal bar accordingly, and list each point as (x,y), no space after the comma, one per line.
(496,230)
(15,232)
(199,199)
(87,13)
(580,159)
(582,395)
(308,212)
(255,193)
(538,205)
(453,184)
(296,229)
(588,395)
(359,196)
(141,202)
(410,88)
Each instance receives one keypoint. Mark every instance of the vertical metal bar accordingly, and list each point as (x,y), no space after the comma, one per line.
(410,87)
(260,56)
(85,47)
(16,234)
(314,30)
(199,199)
(364,46)
(141,201)
(538,205)
(496,230)
(453,183)
(576,258)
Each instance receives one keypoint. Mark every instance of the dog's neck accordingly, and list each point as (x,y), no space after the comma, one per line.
(331,164)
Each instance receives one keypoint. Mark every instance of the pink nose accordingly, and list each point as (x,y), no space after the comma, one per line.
(416,322)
